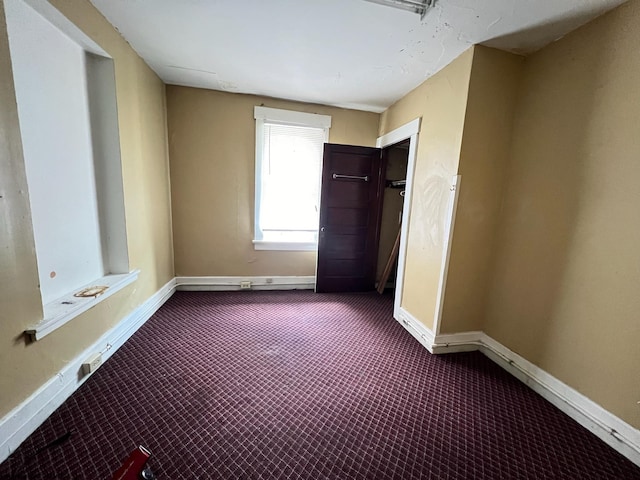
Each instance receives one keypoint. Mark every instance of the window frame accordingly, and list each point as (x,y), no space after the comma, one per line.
(278,116)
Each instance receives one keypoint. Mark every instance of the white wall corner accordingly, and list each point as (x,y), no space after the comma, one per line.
(23,420)
(255,283)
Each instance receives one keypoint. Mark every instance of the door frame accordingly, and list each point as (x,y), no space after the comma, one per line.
(409,131)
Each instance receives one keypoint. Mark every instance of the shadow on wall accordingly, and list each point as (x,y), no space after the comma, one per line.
(554,134)
(527,41)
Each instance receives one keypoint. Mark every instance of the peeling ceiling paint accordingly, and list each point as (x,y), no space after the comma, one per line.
(347,53)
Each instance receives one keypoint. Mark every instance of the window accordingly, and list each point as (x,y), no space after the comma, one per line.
(65,94)
(289,149)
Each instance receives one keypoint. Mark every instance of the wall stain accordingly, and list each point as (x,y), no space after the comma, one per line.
(432,201)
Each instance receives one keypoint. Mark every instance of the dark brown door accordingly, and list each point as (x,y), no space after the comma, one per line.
(350,206)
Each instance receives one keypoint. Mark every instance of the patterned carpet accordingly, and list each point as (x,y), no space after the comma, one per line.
(296,385)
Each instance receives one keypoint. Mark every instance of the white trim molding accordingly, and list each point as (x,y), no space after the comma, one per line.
(612,430)
(66,308)
(458,342)
(291,240)
(415,327)
(450,219)
(23,420)
(291,117)
(409,131)
(246,283)
(399,134)
(285,246)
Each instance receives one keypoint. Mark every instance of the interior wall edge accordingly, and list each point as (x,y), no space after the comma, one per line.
(168,165)
(441,102)
(494,86)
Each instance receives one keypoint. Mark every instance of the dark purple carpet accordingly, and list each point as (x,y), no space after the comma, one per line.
(295,385)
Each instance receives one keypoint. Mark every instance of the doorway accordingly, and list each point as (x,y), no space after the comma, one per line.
(394,179)
(407,132)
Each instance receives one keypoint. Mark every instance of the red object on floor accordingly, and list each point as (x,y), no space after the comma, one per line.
(130,470)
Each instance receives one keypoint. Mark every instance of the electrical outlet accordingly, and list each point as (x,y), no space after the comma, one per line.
(245,285)
(92,363)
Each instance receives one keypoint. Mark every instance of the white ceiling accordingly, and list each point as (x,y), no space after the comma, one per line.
(348,53)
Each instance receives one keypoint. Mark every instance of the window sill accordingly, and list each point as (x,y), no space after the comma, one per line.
(68,307)
(287,246)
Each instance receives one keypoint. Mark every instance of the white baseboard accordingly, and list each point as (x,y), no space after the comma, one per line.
(257,283)
(615,432)
(415,328)
(457,342)
(23,420)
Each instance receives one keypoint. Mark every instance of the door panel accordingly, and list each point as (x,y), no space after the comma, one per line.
(343,268)
(350,164)
(346,245)
(350,208)
(347,194)
(354,217)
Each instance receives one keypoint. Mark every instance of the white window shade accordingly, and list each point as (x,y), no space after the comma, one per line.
(291,169)
(289,147)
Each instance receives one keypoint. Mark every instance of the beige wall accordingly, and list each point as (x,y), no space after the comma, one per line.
(441,102)
(212,150)
(566,286)
(140,94)
(495,77)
